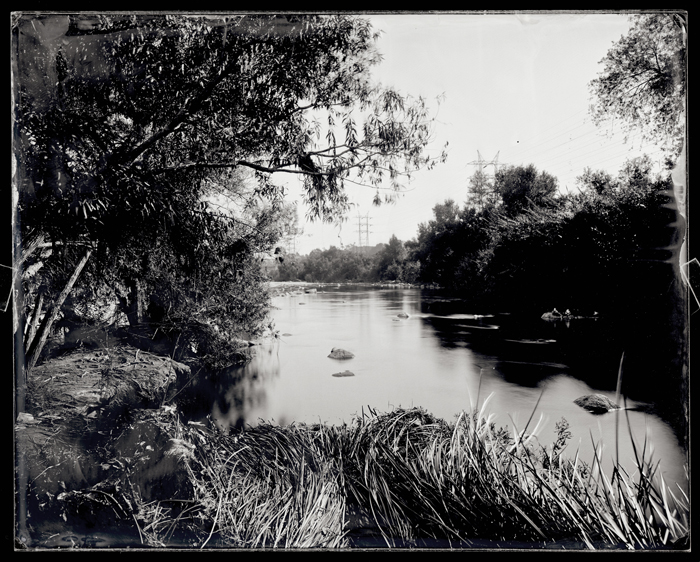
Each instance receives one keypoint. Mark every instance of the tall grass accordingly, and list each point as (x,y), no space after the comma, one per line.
(267,488)
(419,480)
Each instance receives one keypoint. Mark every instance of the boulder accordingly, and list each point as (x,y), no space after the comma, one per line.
(337,353)
(402,315)
(24,417)
(596,403)
(344,374)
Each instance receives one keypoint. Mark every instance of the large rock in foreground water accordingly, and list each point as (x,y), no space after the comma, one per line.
(596,403)
(337,353)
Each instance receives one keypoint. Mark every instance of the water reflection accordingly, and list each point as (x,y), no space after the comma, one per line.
(238,395)
(442,358)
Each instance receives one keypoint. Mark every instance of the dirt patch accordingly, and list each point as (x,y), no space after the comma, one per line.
(98,382)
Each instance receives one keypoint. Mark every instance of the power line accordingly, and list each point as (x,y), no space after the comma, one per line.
(549,139)
(557,158)
(608,151)
(557,124)
(533,154)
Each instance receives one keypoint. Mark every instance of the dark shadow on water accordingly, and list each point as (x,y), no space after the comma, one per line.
(526,374)
(588,349)
(231,394)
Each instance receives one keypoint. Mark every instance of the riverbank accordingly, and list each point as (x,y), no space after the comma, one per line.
(108,460)
(93,442)
(285,288)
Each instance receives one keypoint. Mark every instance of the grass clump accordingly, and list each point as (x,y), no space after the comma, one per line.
(413,480)
(267,487)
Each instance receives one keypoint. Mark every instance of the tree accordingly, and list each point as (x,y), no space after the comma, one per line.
(636,173)
(436,243)
(480,190)
(126,125)
(643,81)
(289,228)
(393,254)
(599,181)
(519,186)
(643,86)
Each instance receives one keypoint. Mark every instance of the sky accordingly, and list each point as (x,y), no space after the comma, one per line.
(516,92)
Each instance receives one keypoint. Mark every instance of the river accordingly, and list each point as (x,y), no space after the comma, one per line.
(441,360)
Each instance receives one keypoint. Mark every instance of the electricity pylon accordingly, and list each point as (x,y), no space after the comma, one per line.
(359,230)
(481,183)
(481,164)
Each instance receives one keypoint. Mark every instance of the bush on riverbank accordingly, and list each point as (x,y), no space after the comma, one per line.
(406,478)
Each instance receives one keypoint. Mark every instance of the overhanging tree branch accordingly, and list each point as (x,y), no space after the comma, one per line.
(236,164)
(192,105)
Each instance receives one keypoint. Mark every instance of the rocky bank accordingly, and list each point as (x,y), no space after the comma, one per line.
(98,445)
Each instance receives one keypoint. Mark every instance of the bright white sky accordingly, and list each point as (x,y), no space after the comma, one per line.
(515,85)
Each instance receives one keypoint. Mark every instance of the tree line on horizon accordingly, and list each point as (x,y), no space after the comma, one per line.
(518,244)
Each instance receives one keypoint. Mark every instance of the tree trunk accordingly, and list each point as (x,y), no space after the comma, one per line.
(18,297)
(35,350)
(134,309)
(35,320)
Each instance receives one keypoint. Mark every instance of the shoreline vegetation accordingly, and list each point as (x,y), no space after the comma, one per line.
(413,480)
(142,471)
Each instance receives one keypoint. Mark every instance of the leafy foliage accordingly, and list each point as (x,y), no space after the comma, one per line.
(520,186)
(390,259)
(535,249)
(384,262)
(643,82)
(334,265)
(481,190)
(442,243)
(596,180)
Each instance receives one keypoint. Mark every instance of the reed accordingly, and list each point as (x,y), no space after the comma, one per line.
(421,481)
(267,488)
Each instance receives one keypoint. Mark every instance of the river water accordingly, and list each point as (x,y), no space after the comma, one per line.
(441,360)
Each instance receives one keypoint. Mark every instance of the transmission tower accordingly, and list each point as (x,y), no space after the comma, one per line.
(480,164)
(367,231)
(481,189)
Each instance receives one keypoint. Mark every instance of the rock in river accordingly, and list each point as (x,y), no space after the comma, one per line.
(344,374)
(596,403)
(337,353)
